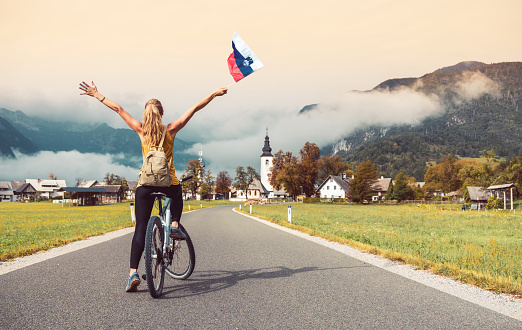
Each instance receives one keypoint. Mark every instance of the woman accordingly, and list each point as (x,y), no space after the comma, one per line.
(150,133)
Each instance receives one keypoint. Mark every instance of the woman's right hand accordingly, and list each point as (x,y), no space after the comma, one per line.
(221,91)
(89,90)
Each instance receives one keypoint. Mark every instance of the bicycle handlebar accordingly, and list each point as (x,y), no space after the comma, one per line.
(187,178)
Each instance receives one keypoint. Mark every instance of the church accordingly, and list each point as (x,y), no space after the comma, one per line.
(262,189)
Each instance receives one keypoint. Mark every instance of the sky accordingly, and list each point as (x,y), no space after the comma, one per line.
(176,51)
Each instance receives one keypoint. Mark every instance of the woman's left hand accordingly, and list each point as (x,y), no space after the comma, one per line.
(89,90)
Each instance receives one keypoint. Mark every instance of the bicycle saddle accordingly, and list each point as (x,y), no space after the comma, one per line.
(158,195)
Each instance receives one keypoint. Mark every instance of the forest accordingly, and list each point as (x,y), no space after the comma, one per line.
(465,128)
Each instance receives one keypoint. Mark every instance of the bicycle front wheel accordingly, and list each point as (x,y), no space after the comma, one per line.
(154,265)
(182,256)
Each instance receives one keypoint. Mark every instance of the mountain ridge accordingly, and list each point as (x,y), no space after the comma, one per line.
(44,135)
(464,127)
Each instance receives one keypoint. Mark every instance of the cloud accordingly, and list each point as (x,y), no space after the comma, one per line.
(238,141)
(230,141)
(474,84)
(231,131)
(65,165)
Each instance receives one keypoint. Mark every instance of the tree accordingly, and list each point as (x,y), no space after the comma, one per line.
(401,188)
(52,176)
(207,186)
(418,191)
(444,175)
(332,165)
(308,167)
(389,193)
(240,182)
(475,175)
(244,178)
(285,173)
(195,168)
(112,179)
(514,173)
(78,181)
(490,155)
(362,185)
(223,182)
(493,203)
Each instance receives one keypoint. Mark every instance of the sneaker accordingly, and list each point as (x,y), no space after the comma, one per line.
(177,233)
(132,284)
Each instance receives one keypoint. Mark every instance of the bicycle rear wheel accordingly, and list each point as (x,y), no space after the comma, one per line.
(183,257)
(154,265)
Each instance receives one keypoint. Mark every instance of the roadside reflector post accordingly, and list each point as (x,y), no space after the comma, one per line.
(239,207)
(200,206)
(250,208)
(289,213)
(189,207)
(133,215)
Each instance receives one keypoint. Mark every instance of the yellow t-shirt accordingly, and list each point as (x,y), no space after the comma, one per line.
(168,147)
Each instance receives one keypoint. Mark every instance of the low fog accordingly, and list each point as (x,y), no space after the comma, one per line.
(65,165)
(231,137)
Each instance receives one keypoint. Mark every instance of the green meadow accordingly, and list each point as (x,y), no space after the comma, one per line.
(26,228)
(479,248)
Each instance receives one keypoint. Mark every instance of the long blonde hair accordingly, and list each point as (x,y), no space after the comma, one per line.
(152,126)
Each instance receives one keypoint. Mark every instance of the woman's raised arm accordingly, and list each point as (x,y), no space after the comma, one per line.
(178,124)
(93,91)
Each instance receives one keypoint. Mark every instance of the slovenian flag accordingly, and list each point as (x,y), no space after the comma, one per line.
(242,61)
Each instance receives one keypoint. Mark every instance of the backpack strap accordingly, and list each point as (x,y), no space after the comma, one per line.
(161,144)
(163,136)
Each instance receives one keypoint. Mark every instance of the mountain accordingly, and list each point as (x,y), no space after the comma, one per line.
(462,66)
(467,124)
(11,138)
(31,134)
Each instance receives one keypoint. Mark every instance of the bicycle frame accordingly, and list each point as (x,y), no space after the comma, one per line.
(165,217)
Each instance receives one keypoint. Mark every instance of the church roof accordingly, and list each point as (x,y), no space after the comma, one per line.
(267,151)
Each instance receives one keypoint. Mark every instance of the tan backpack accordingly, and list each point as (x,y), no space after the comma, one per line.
(156,167)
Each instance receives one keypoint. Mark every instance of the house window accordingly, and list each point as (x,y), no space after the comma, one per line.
(266,162)
(327,187)
(335,187)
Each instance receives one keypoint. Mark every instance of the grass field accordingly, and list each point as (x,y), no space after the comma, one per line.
(26,228)
(480,248)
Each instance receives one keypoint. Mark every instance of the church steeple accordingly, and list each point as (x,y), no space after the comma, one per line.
(267,151)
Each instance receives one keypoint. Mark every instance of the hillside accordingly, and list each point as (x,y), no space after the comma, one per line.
(11,139)
(466,126)
(30,134)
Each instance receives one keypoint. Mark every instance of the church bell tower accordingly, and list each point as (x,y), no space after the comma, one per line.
(266,163)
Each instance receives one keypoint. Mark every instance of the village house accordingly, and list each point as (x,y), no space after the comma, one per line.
(479,197)
(6,192)
(110,194)
(48,188)
(334,187)
(338,187)
(130,194)
(380,188)
(256,190)
(25,192)
(506,193)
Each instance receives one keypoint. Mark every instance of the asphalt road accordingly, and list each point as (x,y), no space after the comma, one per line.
(248,275)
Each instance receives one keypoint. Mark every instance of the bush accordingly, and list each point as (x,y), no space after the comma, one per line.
(493,203)
(312,200)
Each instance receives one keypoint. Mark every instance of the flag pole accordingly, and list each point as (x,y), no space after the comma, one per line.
(231,84)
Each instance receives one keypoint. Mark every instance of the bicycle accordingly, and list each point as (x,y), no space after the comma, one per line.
(163,253)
